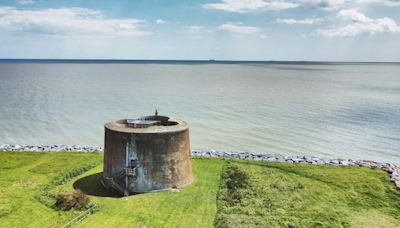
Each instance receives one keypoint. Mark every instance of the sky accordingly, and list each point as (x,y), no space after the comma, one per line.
(289,30)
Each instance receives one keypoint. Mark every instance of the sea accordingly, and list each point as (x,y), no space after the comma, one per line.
(321,109)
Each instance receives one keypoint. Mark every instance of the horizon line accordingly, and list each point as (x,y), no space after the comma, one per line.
(184,60)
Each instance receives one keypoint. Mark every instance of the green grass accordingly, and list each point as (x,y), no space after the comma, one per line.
(285,195)
(193,206)
(275,195)
(23,176)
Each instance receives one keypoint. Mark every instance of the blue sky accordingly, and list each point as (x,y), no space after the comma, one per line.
(338,30)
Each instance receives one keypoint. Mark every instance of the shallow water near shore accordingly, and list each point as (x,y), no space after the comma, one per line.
(324,110)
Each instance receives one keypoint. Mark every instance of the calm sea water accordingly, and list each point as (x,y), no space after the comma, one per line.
(325,110)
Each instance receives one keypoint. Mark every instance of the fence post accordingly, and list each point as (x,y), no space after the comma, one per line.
(80,217)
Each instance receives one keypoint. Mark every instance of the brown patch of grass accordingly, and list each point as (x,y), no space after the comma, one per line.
(74,200)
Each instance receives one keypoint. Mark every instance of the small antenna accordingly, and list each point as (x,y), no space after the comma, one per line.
(156,113)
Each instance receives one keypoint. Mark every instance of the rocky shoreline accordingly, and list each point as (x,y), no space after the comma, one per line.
(51,148)
(391,169)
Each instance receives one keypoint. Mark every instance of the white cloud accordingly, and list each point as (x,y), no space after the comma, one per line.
(194,29)
(307,21)
(326,4)
(239,28)
(160,21)
(390,3)
(68,21)
(333,5)
(243,6)
(25,2)
(263,36)
(246,6)
(353,15)
(361,24)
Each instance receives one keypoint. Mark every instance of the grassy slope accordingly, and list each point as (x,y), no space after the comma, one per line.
(193,206)
(24,174)
(21,177)
(280,194)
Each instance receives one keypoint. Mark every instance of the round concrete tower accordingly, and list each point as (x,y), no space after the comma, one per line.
(146,154)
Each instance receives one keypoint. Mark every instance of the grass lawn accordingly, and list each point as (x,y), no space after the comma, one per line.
(274,194)
(193,206)
(260,194)
(23,176)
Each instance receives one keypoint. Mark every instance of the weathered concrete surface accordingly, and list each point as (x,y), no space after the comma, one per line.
(161,155)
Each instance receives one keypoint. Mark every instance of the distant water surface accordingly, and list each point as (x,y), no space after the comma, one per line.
(325,110)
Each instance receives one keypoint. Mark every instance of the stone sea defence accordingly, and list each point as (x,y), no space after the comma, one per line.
(391,169)
(52,148)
